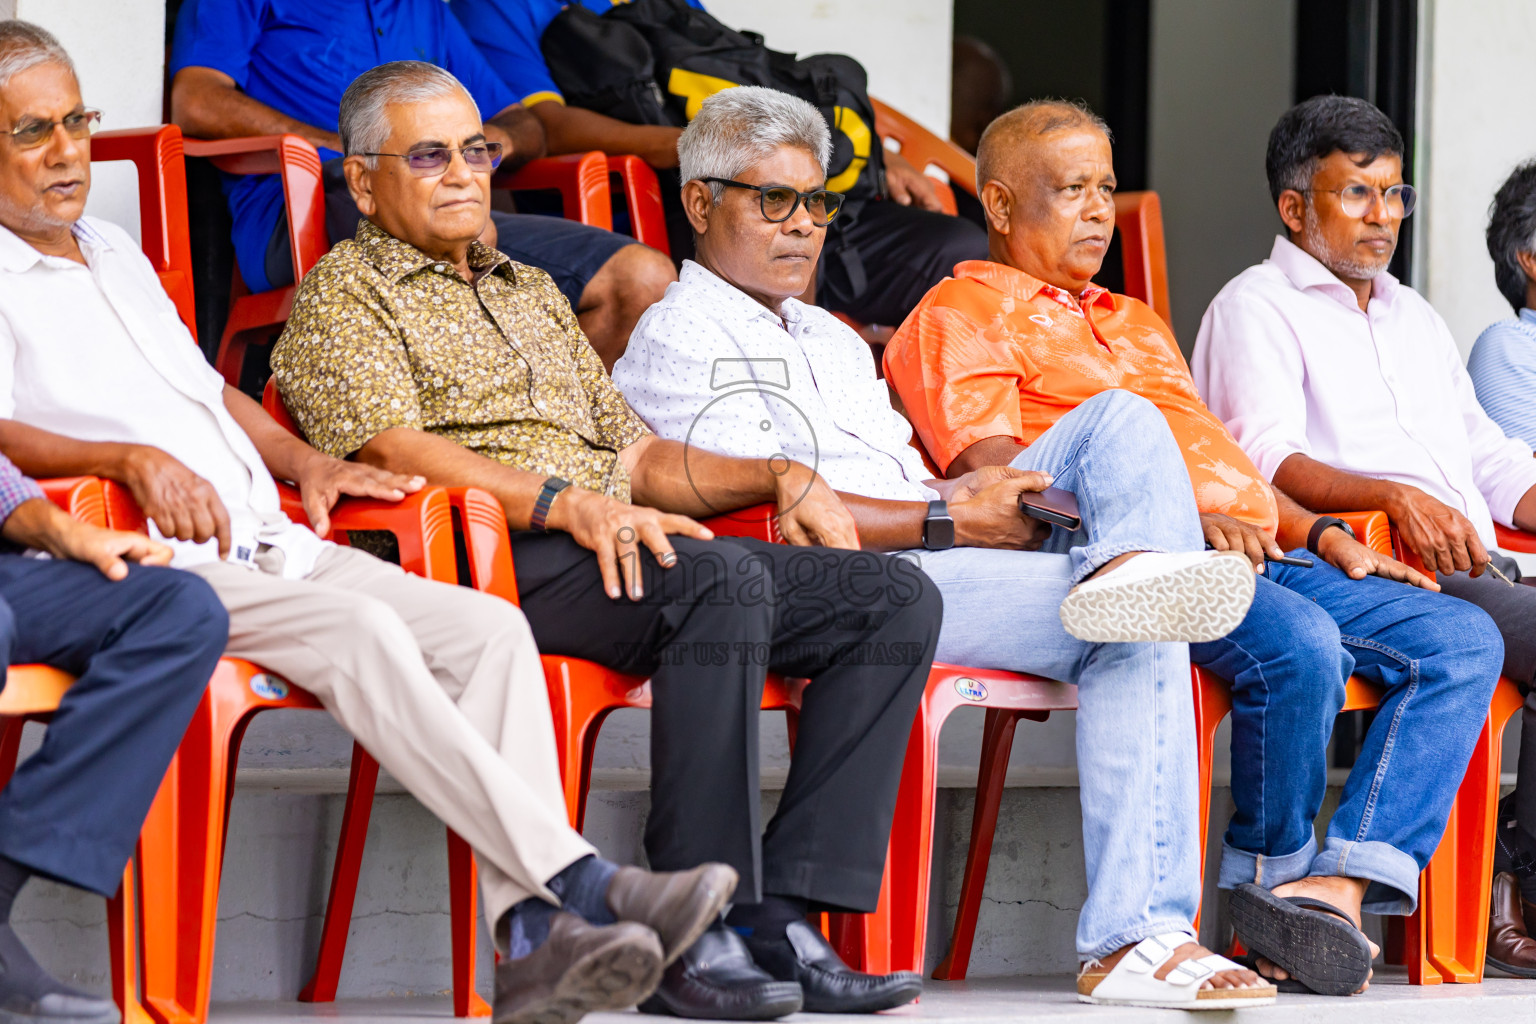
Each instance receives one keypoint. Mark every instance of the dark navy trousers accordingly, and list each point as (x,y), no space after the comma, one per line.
(142,649)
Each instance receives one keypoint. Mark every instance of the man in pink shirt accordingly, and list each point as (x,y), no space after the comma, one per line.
(1347,391)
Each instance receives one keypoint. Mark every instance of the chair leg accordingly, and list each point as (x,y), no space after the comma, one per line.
(10,747)
(996,747)
(911,854)
(463,924)
(344,875)
(1213,702)
(123,941)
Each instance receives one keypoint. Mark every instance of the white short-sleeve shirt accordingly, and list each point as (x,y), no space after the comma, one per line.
(710,366)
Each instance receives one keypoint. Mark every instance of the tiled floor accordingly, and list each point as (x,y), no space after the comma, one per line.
(1390,999)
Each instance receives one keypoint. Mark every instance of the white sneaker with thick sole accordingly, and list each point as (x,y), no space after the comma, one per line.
(1189,597)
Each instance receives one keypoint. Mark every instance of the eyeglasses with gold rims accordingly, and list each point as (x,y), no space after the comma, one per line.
(1357,200)
(429,163)
(33,131)
(779,202)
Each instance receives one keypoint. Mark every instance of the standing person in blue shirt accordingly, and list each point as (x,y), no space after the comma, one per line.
(902,247)
(261,67)
(1503,361)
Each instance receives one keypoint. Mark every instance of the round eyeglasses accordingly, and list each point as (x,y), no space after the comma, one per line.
(779,202)
(429,163)
(33,131)
(1357,200)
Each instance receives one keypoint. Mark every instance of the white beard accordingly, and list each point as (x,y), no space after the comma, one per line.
(1313,241)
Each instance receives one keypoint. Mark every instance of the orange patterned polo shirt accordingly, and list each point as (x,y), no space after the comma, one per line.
(994,352)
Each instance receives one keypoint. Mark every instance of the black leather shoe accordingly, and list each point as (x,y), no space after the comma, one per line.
(830,986)
(716,979)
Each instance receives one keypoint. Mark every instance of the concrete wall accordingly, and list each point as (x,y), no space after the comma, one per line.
(1221,74)
(119,49)
(903,44)
(1476,75)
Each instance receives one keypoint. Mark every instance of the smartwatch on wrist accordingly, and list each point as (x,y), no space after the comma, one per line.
(938,527)
(1323,523)
(553,486)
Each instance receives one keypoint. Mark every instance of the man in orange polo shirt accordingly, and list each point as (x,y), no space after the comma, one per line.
(995,355)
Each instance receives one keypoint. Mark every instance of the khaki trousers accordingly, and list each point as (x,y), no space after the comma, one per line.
(440,683)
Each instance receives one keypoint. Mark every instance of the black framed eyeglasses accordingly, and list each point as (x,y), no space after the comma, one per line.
(1357,200)
(779,202)
(429,163)
(33,132)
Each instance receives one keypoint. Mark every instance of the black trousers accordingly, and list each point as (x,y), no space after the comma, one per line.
(860,625)
(1513,610)
(143,649)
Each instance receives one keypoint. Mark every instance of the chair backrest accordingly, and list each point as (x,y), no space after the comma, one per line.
(156,152)
(1138,215)
(298,164)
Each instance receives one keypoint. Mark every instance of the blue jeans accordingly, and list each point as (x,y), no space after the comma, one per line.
(1438,658)
(1135,719)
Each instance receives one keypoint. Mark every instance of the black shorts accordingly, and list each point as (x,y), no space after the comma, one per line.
(878,267)
(570,252)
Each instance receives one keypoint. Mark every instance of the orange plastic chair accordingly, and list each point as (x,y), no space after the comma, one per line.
(642,197)
(581,179)
(32,693)
(157,153)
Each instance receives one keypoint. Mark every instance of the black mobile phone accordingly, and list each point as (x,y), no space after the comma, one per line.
(1052,505)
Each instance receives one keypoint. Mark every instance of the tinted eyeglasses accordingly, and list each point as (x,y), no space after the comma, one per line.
(779,202)
(1357,200)
(429,163)
(33,132)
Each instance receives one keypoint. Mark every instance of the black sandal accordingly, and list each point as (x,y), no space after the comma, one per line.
(1314,942)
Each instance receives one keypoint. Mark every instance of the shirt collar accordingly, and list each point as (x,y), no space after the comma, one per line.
(1014,282)
(1306,272)
(397,260)
(18,256)
(1528,315)
(732,301)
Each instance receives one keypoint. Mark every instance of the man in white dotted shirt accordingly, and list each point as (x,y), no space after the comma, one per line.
(729,361)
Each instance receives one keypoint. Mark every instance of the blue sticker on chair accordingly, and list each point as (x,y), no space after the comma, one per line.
(970,689)
(269,687)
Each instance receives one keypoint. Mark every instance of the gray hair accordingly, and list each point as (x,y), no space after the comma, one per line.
(736,128)
(24,46)
(364,121)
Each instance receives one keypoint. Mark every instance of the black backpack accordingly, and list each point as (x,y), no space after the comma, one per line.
(655,61)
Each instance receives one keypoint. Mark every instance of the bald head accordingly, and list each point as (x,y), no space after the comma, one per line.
(1011,142)
(1047,181)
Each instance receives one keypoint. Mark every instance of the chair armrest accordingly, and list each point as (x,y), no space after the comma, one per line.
(1372,529)
(422,524)
(483,525)
(580,178)
(80,496)
(1512,539)
(272,402)
(757,521)
(642,197)
(298,163)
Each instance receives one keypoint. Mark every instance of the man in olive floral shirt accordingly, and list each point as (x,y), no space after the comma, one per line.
(416,348)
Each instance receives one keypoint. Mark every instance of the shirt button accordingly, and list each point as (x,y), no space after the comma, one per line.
(441,268)
(379,31)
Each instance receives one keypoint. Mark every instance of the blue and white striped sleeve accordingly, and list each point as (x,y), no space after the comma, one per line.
(15,487)
(1503,371)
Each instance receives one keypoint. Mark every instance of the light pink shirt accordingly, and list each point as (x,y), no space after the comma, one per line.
(1290,362)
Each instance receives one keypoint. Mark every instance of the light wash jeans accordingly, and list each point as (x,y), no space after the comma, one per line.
(1135,719)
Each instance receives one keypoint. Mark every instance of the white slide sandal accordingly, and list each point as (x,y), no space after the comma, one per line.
(1133,981)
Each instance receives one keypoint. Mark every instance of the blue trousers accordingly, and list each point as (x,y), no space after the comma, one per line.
(142,649)
(1308,630)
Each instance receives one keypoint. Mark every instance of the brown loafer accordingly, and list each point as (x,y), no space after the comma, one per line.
(1510,947)
(578,969)
(678,905)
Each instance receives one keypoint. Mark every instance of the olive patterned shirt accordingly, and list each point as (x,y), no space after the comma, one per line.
(383,336)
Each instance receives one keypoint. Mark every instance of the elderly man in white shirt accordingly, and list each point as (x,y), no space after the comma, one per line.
(730,362)
(1347,390)
(442,684)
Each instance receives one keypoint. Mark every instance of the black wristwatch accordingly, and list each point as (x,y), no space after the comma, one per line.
(553,486)
(1325,522)
(938,527)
